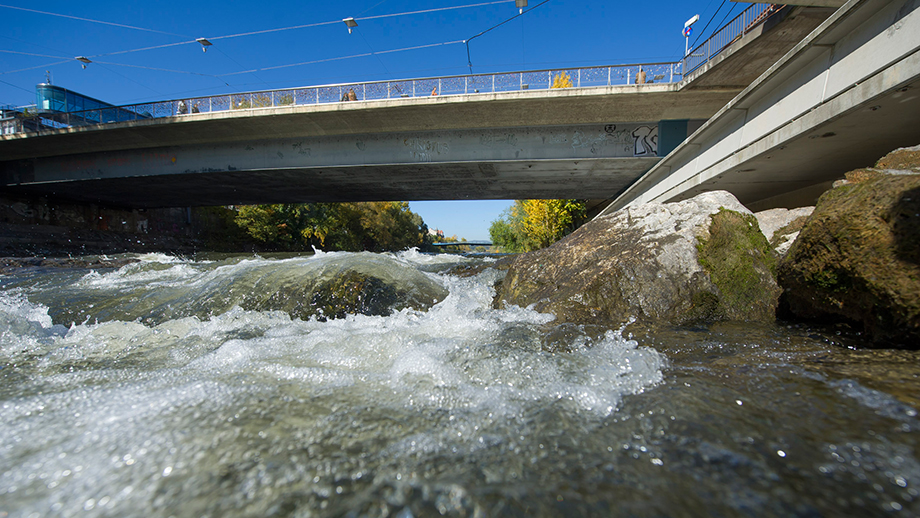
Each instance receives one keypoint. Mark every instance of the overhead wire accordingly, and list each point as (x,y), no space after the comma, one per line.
(129,79)
(31,54)
(88,20)
(384,65)
(371,8)
(69,60)
(729,13)
(303,26)
(700,35)
(15,86)
(252,33)
(437,9)
(326,60)
(467,41)
(158,69)
(237,63)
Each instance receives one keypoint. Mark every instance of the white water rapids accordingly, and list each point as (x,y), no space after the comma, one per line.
(151,390)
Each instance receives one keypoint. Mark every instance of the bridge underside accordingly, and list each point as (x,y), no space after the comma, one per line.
(596,161)
(599,178)
(843,98)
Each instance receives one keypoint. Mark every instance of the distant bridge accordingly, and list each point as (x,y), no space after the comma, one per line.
(464,243)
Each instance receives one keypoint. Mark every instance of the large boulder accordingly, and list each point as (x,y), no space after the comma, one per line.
(781,226)
(858,257)
(702,259)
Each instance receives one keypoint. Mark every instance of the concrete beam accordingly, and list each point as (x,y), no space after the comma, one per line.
(739,64)
(610,105)
(842,98)
(546,179)
(544,162)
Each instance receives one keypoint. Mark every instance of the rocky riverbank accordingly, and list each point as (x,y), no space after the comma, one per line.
(853,259)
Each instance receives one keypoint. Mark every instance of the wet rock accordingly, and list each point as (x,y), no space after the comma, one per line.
(351,291)
(10,264)
(858,257)
(781,227)
(356,294)
(463,270)
(702,259)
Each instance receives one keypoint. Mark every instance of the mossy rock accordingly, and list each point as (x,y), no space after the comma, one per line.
(904,159)
(661,264)
(858,260)
(349,292)
(354,293)
(741,264)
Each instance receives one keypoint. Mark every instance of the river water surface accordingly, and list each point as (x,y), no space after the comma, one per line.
(179,387)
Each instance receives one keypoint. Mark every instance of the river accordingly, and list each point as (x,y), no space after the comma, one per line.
(184,387)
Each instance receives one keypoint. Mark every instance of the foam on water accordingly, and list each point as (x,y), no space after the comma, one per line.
(105,414)
(214,408)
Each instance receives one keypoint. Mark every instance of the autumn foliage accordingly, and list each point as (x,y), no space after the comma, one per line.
(562,80)
(372,226)
(534,224)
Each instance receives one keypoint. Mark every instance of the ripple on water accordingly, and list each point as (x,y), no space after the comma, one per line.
(461,409)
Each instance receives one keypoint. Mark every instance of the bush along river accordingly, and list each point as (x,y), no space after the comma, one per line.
(635,368)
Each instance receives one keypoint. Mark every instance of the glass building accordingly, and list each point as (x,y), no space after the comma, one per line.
(72,108)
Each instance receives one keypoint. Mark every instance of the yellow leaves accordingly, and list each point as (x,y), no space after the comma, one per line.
(535,224)
(562,80)
(544,221)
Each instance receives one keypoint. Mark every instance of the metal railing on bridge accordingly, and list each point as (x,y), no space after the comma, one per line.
(426,87)
(377,90)
(750,18)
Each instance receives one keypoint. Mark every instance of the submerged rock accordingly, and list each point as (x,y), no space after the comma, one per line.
(858,257)
(356,294)
(702,259)
(365,284)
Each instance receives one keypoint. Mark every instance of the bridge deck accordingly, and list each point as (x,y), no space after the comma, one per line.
(251,155)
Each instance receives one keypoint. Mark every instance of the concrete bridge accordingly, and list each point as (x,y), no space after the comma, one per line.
(844,96)
(519,144)
(463,243)
(515,141)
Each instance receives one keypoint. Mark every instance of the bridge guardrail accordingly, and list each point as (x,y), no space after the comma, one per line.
(727,34)
(369,91)
(413,88)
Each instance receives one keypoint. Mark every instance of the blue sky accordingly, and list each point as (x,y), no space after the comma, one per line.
(305,43)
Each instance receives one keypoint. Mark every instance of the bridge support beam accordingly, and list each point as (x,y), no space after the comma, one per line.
(843,97)
(537,162)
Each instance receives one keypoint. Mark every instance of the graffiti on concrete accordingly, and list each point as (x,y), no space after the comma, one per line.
(646,141)
(490,139)
(23,210)
(594,142)
(424,150)
(301,149)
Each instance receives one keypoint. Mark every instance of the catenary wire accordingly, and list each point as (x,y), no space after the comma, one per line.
(89,20)
(700,35)
(31,54)
(365,54)
(303,26)
(467,41)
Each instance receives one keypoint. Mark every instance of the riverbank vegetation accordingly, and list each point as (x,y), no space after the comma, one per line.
(534,224)
(371,226)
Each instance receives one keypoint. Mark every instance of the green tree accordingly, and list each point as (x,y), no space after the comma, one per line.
(374,226)
(506,234)
(534,224)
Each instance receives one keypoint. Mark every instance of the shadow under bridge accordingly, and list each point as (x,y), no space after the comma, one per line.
(566,161)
